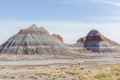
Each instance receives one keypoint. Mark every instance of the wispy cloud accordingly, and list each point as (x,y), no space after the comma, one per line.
(109,2)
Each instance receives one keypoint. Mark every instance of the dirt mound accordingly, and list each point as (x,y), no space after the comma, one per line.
(96,42)
(33,40)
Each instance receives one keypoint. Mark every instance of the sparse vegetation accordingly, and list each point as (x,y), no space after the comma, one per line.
(68,72)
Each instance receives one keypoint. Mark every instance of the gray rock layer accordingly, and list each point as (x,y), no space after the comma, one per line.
(32,40)
(96,42)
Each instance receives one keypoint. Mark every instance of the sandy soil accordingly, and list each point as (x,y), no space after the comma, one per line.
(34,68)
(60,72)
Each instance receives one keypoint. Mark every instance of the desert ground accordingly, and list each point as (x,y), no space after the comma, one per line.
(60,72)
(29,67)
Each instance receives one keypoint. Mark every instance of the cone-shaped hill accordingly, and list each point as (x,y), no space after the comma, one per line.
(96,42)
(33,40)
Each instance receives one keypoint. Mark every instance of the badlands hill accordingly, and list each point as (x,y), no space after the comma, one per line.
(37,40)
(34,40)
(94,41)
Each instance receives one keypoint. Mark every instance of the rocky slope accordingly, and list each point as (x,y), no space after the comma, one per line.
(37,40)
(96,42)
(34,40)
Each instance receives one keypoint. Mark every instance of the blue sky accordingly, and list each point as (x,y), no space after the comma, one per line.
(65,17)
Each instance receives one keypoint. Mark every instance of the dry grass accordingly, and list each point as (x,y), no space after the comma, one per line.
(68,72)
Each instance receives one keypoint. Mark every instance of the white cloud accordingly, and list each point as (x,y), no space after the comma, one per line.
(109,2)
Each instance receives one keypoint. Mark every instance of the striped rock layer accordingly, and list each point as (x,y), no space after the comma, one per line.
(33,40)
(96,42)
